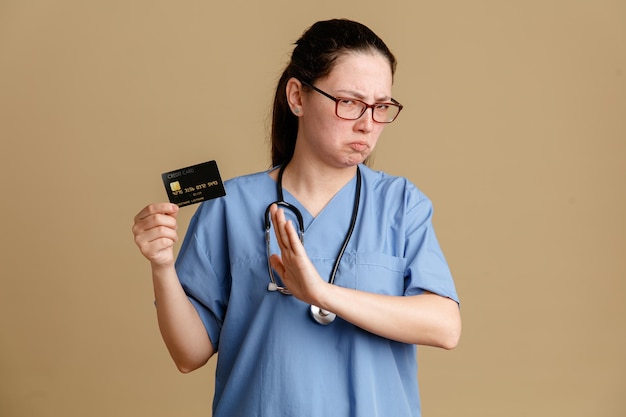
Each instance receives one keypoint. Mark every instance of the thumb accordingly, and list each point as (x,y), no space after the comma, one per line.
(277,264)
(173,210)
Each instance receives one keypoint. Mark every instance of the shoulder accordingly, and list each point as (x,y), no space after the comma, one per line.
(248,187)
(243,193)
(244,182)
(392,187)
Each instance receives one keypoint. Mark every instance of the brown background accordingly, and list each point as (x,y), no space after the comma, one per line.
(515,125)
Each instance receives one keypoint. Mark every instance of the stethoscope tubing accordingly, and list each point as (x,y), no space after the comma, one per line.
(321,316)
(273,285)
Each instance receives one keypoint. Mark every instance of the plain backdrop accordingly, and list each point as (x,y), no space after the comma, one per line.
(514,125)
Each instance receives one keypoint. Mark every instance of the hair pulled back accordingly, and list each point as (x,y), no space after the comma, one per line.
(313,58)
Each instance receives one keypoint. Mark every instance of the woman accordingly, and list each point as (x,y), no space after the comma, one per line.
(370,260)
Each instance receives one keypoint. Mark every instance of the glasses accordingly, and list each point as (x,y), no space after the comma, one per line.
(352,109)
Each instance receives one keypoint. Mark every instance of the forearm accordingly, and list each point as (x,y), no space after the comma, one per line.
(426,319)
(182,329)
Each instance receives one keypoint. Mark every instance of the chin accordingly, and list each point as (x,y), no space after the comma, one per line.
(355,160)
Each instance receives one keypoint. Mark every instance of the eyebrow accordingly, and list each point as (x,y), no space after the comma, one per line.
(385,99)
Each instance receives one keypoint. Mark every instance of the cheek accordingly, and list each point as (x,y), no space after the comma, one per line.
(376,134)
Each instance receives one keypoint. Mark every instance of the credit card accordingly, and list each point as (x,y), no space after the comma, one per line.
(193,184)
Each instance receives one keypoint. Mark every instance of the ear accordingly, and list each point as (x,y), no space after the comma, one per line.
(294,96)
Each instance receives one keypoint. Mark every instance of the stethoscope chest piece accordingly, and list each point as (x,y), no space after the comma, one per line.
(322,316)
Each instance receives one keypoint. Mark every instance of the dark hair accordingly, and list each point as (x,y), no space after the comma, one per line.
(313,58)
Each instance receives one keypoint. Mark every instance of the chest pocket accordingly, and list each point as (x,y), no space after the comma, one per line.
(379,273)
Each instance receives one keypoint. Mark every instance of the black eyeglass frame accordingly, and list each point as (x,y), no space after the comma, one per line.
(393,102)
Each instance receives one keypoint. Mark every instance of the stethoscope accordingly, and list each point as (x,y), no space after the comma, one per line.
(319,315)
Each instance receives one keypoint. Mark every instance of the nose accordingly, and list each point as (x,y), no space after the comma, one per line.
(365,123)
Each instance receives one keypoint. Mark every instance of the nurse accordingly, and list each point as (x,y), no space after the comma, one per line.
(369,257)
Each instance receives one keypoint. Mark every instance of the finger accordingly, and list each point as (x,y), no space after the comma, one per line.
(152,216)
(159,251)
(294,238)
(157,220)
(150,248)
(277,265)
(157,208)
(158,238)
(159,232)
(279,222)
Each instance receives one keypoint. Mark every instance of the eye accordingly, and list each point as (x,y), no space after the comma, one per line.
(382,106)
(346,102)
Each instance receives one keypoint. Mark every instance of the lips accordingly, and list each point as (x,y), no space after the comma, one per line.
(359,146)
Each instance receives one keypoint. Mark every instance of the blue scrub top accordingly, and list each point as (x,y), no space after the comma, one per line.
(273,359)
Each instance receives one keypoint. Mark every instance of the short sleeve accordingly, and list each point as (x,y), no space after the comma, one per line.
(202,267)
(427,269)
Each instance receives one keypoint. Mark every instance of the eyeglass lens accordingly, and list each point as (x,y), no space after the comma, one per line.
(352,109)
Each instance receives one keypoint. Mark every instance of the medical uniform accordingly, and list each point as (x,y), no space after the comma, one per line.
(273,358)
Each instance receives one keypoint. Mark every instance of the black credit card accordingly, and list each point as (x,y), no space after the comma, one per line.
(193,184)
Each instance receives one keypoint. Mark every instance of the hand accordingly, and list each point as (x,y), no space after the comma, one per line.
(155,232)
(294,267)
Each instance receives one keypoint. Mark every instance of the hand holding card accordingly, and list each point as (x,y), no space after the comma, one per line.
(193,184)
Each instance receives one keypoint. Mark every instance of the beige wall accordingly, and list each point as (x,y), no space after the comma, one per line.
(515,125)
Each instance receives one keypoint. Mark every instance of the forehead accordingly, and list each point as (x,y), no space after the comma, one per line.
(361,70)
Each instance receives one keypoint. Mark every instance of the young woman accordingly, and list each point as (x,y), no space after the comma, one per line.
(315,279)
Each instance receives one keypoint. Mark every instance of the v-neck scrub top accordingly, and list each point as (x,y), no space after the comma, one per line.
(273,358)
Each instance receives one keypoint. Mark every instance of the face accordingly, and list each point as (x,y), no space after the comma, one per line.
(326,137)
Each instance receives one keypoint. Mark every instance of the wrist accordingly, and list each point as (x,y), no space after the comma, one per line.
(162,269)
(324,295)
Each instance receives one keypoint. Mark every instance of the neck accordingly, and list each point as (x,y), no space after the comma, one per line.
(305,175)
(315,186)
